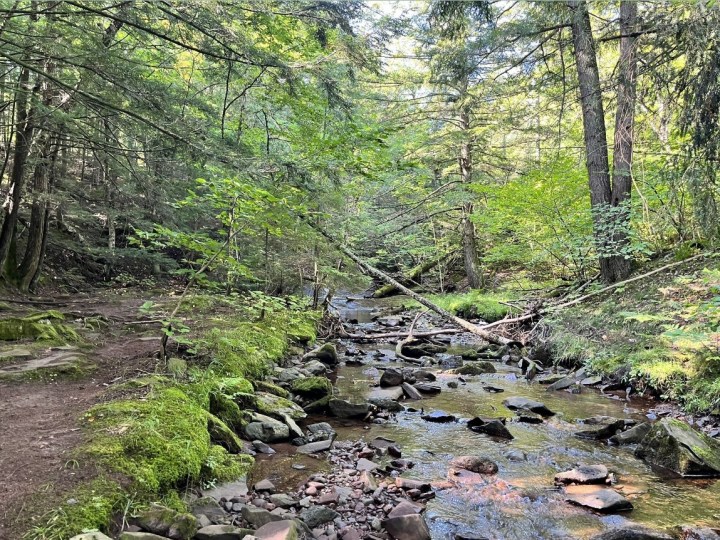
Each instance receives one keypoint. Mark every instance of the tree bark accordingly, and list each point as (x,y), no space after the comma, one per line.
(462,323)
(613,265)
(469,244)
(412,275)
(624,136)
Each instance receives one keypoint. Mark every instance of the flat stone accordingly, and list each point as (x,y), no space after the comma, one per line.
(266,429)
(264,485)
(699,533)
(315,447)
(366,465)
(126,535)
(345,409)
(208,505)
(95,535)
(411,392)
(167,522)
(257,517)
(439,417)
(632,532)
(408,527)
(410,483)
(519,403)
(283,500)
(549,379)
(318,515)
(428,388)
(598,498)
(562,384)
(394,393)
(591,381)
(600,427)
(331,497)
(528,417)
(586,474)
(634,435)
(262,447)
(405,508)
(286,529)
(492,389)
(474,464)
(476,368)
(222,532)
(495,427)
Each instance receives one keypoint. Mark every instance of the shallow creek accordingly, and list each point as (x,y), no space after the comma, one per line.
(520,501)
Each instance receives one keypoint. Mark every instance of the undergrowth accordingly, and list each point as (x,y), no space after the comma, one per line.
(661,334)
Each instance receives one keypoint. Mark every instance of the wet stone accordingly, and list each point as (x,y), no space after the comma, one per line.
(439,417)
(600,427)
(495,427)
(598,498)
(519,403)
(474,464)
(586,474)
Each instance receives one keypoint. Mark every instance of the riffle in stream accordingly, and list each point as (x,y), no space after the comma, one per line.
(520,501)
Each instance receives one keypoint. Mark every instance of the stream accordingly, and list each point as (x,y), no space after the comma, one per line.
(520,501)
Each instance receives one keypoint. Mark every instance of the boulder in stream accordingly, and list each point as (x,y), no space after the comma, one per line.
(411,392)
(632,532)
(391,377)
(674,445)
(326,353)
(474,464)
(585,474)
(428,388)
(519,403)
(495,427)
(476,368)
(634,435)
(266,429)
(600,427)
(440,417)
(407,527)
(278,530)
(598,498)
(345,409)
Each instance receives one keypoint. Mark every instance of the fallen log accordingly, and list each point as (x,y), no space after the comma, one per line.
(462,323)
(411,276)
(386,335)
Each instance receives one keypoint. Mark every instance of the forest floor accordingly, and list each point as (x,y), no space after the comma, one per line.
(41,411)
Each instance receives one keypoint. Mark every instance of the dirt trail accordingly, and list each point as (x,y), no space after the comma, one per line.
(40,421)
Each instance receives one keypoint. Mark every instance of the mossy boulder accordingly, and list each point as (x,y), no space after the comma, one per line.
(674,445)
(270,388)
(326,353)
(39,326)
(312,387)
(278,407)
(229,411)
(222,435)
(476,368)
(167,522)
(221,466)
(234,385)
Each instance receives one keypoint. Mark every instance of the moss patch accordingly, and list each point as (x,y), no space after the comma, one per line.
(45,326)
(270,388)
(312,387)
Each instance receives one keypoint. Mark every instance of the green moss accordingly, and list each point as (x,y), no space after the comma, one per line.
(474,304)
(312,387)
(222,435)
(39,326)
(234,385)
(227,410)
(157,442)
(270,388)
(221,466)
(276,406)
(89,507)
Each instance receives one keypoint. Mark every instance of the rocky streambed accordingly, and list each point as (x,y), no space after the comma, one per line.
(456,440)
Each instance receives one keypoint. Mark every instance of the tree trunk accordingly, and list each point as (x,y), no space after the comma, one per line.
(40,209)
(596,154)
(412,275)
(24,130)
(624,137)
(470,254)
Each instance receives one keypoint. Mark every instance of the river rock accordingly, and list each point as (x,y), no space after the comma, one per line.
(519,403)
(598,498)
(314,367)
(423,349)
(317,515)
(209,507)
(364,464)
(289,375)
(676,446)
(550,378)
(528,417)
(600,427)
(266,429)
(449,361)
(345,409)
(492,389)
(257,517)
(476,368)
(278,407)
(264,485)
(591,381)
(286,529)
(439,417)
(410,483)
(410,391)
(428,388)
(95,535)
(315,447)
(474,464)
(167,522)
(326,353)
(585,474)
(495,427)
(562,384)
(320,431)
(393,393)
(222,532)
(407,527)
(634,435)
(391,377)
(126,535)
(698,533)
(263,448)
(424,375)
(283,500)
(387,404)
(632,532)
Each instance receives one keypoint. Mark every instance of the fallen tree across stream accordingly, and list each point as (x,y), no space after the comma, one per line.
(411,276)
(375,272)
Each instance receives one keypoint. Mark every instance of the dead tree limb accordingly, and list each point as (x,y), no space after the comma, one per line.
(411,276)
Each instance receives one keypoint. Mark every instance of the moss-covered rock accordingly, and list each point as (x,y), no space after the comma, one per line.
(222,435)
(38,326)
(234,385)
(312,387)
(476,368)
(326,353)
(270,388)
(278,407)
(229,411)
(167,522)
(157,442)
(318,406)
(676,446)
(221,466)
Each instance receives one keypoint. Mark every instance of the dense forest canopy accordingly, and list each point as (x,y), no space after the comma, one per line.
(141,138)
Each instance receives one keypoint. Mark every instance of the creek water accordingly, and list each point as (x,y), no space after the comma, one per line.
(519,502)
